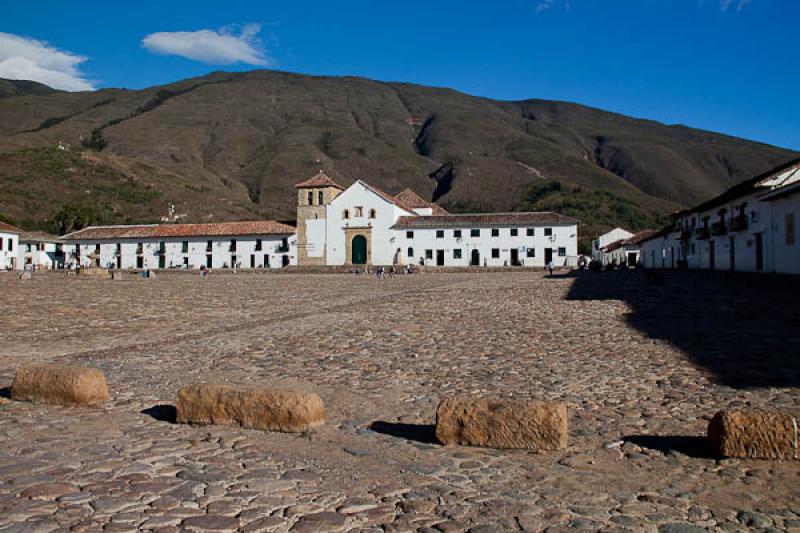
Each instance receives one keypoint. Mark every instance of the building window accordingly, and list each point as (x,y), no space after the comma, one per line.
(457,233)
(474,233)
(440,234)
(562,252)
(548,232)
(495,232)
(409,235)
(514,232)
(529,232)
(495,253)
(359,212)
(319,198)
(258,245)
(310,197)
(233,245)
(531,252)
(346,214)
(428,254)
(10,245)
(457,253)
(209,246)
(1,244)
(410,253)
(96,248)
(788,222)
(371,213)
(185,247)
(139,248)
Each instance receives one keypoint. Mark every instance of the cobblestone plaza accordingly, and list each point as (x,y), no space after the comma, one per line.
(642,369)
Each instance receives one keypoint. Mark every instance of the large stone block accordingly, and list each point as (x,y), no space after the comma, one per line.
(755,434)
(494,423)
(278,410)
(60,384)
(94,272)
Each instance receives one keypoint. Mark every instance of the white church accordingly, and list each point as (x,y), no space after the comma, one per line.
(362,225)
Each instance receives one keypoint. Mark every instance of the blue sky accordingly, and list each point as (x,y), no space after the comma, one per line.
(724,65)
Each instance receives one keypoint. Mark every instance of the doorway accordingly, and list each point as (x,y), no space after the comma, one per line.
(631,261)
(759,237)
(359,247)
(475,258)
(285,261)
(711,255)
(514,257)
(732,252)
(439,257)
(548,256)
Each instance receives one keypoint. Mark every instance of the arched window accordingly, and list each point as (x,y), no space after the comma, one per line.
(320,198)
(310,197)
(346,214)
(371,213)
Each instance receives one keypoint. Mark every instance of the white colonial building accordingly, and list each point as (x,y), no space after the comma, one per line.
(626,251)
(259,244)
(752,227)
(362,225)
(39,251)
(9,246)
(601,244)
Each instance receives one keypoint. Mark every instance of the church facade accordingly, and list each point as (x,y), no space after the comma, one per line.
(362,225)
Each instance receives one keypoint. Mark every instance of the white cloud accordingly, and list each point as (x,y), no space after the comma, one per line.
(221,47)
(725,5)
(22,58)
(544,5)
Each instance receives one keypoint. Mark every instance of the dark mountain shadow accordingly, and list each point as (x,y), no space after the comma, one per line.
(162,413)
(425,433)
(742,328)
(693,446)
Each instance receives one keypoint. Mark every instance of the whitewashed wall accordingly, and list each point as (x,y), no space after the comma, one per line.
(425,239)
(8,250)
(41,255)
(270,255)
(785,256)
(383,242)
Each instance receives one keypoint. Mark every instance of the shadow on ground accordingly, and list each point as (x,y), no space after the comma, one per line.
(744,329)
(425,433)
(692,446)
(162,413)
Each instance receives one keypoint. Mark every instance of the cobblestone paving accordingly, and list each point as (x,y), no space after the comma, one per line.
(381,354)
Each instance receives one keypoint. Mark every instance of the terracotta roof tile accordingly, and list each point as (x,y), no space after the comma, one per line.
(8,228)
(320,180)
(485,219)
(151,231)
(412,199)
(37,236)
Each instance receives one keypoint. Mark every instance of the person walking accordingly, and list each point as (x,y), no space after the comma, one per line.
(550,267)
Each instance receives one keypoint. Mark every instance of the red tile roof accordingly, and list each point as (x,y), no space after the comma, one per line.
(8,228)
(152,231)
(320,180)
(37,236)
(641,236)
(414,200)
(485,219)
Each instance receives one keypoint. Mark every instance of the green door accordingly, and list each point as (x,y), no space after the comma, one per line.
(359,250)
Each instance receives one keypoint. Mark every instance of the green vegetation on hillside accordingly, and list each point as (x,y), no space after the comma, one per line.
(597,211)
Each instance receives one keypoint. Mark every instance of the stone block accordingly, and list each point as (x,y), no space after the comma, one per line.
(495,423)
(60,384)
(755,434)
(94,272)
(256,408)
(117,275)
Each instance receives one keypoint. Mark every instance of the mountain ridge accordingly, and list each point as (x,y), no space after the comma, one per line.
(230,145)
